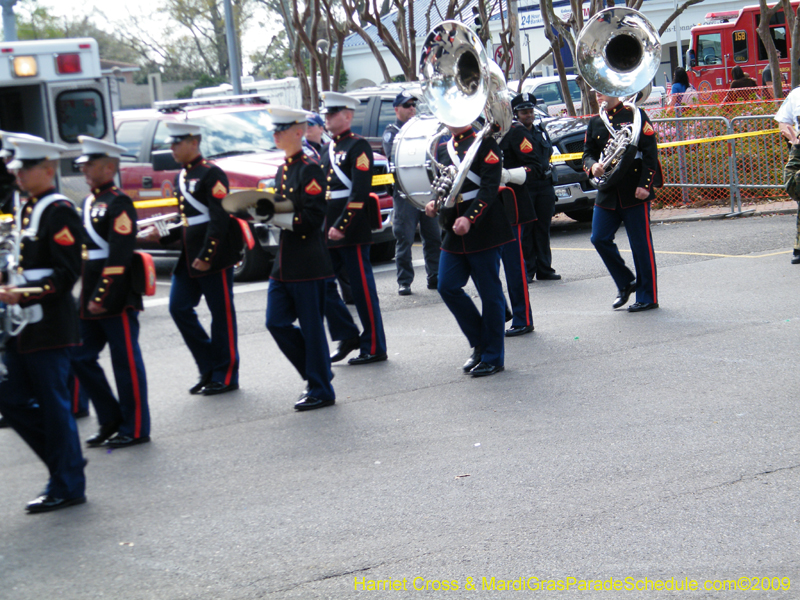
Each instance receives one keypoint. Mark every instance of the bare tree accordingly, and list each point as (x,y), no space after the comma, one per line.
(763,30)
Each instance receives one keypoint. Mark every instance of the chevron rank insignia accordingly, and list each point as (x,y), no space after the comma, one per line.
(491,158)
(362,162)
(219,191)
(64,237)
(313,188)
(123,224)
(526,146)
(648,129)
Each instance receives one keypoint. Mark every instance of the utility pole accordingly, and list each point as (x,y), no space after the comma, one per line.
(9,22)
(233,54)
(513,22)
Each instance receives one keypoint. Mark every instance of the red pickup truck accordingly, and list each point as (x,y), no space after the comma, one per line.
(237,138)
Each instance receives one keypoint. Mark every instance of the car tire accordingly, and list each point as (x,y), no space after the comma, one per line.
(382,252)
(254,264)
(583,215)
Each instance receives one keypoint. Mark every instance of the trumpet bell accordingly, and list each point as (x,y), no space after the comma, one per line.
(456,83)
(618,52)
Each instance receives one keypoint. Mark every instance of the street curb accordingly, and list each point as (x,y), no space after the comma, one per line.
(710,216)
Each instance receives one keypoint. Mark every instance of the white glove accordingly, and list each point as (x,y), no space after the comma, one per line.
(516,176)
(283,220)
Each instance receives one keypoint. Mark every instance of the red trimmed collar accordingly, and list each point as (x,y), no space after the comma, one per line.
(194,162)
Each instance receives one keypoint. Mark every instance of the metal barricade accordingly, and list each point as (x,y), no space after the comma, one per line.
(759,159)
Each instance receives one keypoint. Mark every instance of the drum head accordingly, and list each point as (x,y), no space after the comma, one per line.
(413,169)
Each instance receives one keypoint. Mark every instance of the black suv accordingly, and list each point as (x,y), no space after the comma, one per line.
(574,194)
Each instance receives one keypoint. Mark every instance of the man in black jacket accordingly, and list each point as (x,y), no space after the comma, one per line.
(626,200)
(302,267)
(109,306)
(34,398)
(212,244)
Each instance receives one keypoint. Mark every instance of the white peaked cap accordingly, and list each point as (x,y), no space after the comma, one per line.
(94,148)
(337,100)
(33,150)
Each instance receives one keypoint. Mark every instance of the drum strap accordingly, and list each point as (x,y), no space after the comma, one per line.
(199,206)
(340,174)
(474,178)
(102,251)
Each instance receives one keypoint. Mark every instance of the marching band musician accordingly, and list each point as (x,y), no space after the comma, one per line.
(628,202)
(212,242)
(347,160)
(302,267)
(34,398)
(475,228)
(109,306)
(520,167)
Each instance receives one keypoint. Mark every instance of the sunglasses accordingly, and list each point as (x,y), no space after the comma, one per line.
(410,105)
(334,109)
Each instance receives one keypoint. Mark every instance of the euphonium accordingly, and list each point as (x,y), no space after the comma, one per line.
(459,83)
(618,52)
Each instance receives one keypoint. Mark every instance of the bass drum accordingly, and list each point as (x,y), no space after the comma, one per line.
(413,170)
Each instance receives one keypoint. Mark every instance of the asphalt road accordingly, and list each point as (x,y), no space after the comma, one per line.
(660,445)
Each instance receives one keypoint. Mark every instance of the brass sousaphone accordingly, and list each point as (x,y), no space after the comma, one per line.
(618,53)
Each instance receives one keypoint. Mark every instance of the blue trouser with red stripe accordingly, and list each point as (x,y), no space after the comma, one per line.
(306,346)
(605,224)
(484,329)
(517,279)
(365,294)
(121,332)
(218,354)
(35,401)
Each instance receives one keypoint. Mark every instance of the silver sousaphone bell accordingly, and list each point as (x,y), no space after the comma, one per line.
(618,53)
(256,205)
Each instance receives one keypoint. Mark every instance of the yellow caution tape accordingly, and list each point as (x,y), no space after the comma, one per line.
(720,138)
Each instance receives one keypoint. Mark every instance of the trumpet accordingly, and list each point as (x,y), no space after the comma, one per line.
(160,223)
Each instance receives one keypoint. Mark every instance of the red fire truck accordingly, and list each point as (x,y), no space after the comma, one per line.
(727,39)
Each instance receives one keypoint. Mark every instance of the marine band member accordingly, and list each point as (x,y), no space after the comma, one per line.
(109,306)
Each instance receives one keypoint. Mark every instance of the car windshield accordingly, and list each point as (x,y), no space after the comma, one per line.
(241,132)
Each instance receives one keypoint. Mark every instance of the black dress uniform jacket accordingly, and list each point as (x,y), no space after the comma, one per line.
(108,281)
(489,225)
(56,246)
(217,241)
(644,171)
(349,214)
(518,148)
(302,253)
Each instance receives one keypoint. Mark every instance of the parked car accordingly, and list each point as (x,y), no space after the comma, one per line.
(236,137)
(574,194)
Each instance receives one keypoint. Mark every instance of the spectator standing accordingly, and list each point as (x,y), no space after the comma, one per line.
(680,85)
(786,117)
(741,80)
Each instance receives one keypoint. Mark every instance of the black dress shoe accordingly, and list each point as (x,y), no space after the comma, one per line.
(473,360)
(46,503)
(640,306)
(404,290)
(124,441)
(105,432)
(3,423)
(365,359)
(202,381)
(81,414)
(345,348)
(433,283)
(217,387)
(624,294)
(548,276)
(310,403)
(518,330)
(484,369)
(509,314)
(796,258)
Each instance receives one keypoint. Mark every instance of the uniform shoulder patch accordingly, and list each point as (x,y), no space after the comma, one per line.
(313,188)
(219,191)
(648,129)
(362,162)
(123,224)
(491,158)
(526,146)
(64,237)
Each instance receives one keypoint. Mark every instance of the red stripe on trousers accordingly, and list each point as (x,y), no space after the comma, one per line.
(137,398)
(229,321)
(368,296)
(524,276)
(650,251)
(76,394)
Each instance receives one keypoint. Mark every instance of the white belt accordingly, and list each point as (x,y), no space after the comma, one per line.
(197,219)
(469,195)
(34,274)
(97,254)
(339,194)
